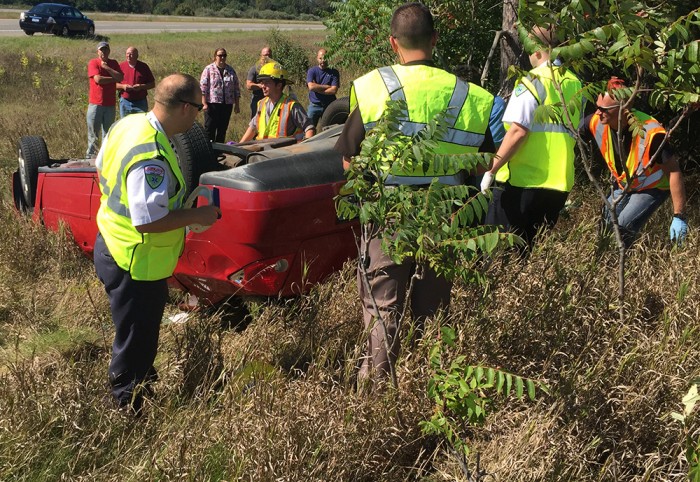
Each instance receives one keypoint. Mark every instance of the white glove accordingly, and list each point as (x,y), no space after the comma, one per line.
(486,181)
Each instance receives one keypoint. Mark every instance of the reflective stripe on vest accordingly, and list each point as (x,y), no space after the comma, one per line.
(639,157)
(468,107)
(545,159)
(280,121)
(146,256)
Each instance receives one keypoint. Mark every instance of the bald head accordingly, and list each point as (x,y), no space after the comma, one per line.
(266,52)
(175,88)
(412,26)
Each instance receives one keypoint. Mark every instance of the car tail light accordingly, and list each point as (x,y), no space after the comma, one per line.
(265,276)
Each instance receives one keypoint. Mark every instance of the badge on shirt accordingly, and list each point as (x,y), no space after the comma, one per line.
(519,89)
(154,175)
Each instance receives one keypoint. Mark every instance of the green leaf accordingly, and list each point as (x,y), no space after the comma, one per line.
(531,389)
(518,387)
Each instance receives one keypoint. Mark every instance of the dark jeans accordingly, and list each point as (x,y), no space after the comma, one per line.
(315,111)
(137,309)
(216,119)
(524,211)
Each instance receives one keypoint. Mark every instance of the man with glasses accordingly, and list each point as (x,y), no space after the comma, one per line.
(138,80)
(141,223)
(220,95)
(650,172)
(534,165)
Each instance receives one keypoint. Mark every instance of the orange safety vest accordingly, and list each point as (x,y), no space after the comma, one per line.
(645,176)
(280,123)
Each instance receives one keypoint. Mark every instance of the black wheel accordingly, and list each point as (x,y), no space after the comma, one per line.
(65,31)
(29,32)
(337,112)
(195,155)
(91,31)
(33,154)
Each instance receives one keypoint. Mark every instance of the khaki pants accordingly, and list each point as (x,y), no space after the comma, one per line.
(388,284)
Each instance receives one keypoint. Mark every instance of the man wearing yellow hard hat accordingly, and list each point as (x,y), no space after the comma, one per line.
(278,114)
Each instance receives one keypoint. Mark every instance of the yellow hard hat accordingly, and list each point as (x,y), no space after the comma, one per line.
(273,70)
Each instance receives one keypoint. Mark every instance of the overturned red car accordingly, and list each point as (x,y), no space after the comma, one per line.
(278,234)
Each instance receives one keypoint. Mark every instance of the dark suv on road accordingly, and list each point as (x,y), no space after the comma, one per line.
(55,18)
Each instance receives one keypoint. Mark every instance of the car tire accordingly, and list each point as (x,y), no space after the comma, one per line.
(91,31)
(195,155)
(336,113)
(28,32)
(65,31)
(33,154)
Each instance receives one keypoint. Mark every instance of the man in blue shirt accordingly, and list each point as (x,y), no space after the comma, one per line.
(323,84)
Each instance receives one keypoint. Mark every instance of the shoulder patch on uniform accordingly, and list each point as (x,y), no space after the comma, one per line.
(154,175)
(519,89)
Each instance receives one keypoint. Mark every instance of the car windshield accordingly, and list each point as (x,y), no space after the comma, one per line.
(46,9)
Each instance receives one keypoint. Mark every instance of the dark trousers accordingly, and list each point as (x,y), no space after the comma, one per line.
(388,286)
(524,211)
(216,119)
(137,309)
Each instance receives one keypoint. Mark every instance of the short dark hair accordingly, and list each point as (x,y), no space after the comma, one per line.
(175,88)
(412,25)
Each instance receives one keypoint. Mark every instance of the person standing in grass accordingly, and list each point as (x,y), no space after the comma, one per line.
(534,166)
(656,175)
(103,75)
(220,95)
(253,84)
(138,80)
(323,83)
(141,223)
(427,91)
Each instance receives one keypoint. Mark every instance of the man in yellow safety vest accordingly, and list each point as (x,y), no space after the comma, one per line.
(279,115)
(141,223)
(534,165)
(427,91)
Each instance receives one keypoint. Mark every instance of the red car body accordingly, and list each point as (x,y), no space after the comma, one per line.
(278,233)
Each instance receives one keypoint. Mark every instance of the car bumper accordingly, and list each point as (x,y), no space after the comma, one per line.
(37,27)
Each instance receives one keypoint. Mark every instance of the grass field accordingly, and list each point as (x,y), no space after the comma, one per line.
(276,400)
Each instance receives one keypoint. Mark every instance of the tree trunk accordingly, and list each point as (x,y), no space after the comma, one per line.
(511,49)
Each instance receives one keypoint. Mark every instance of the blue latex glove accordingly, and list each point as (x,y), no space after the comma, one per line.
(678,231)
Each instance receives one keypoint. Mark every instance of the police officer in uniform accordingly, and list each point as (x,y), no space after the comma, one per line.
(427,91)
(141,223)
(535,163)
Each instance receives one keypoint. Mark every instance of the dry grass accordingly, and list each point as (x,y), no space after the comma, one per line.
(276,400)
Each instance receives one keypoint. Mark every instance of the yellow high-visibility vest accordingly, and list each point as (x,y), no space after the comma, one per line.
(146,256)
(427,91)
(280,123)
(545,159)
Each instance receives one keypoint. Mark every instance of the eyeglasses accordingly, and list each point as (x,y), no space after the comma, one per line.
(606,109)
(221,56)
(197,106)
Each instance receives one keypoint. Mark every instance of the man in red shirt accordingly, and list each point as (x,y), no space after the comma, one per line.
(138,80)
(103,75)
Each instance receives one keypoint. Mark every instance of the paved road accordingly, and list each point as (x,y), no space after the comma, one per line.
(10,27)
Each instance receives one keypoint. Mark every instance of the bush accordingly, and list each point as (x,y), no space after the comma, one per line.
(292,57)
